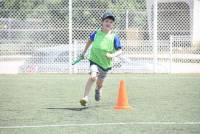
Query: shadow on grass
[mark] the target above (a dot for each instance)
(77, 108)
(71, 108)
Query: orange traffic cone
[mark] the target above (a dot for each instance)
(122, 102)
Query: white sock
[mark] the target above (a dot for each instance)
(86, 97)
(88, 87)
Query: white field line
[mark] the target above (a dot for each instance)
(102, 124)
(85, 75)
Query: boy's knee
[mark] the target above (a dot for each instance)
(99, 85)
(93, 78)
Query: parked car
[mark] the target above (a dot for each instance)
(51, 59)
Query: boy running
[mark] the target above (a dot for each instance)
(105, 46)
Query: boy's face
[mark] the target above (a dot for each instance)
(107, 24)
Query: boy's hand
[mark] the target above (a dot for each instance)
(82, 55)
(109, 55)
(112, 55)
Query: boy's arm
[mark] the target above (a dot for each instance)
(115, 54)
(89, 42)
(82, 55)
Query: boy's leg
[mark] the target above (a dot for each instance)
(99, 84)
(88, 86)
(89, 83)
(98, 90)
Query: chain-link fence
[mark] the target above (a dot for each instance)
(46, 35)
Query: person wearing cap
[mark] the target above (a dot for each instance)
(105, 46)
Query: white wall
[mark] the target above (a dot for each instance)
(196, 22)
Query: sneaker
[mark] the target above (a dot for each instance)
(97, 95)
(83, 101)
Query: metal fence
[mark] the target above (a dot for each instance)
(39, 36)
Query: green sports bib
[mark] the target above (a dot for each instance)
(103, 43)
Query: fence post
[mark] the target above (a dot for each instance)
(171, 60)
(155, 39)
(70, 36)
(75, 55)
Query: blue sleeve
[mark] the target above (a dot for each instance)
(117, 43)
(92, 36)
